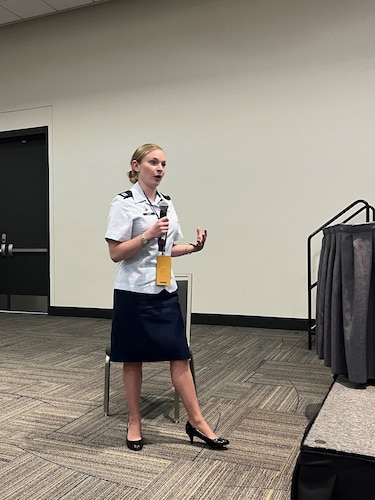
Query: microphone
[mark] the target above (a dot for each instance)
(163, 205)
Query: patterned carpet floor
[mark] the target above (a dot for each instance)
(259, 388)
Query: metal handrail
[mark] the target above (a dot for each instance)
(310, 285)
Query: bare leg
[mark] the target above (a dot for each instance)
(132, 378)
(182, 380)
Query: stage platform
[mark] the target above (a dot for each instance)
(337, 457)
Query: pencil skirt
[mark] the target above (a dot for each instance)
(147, 327)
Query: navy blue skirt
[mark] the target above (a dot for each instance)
(147, 327)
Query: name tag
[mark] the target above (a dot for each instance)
(163, 270)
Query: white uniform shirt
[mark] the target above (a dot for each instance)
(128, 218)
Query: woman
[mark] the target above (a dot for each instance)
(147, 324)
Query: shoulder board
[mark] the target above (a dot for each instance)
(126, 194)
(165, 196)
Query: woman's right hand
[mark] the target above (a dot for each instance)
(122, 250)
(160, 228)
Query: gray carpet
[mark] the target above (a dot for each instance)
(258, 388)
(346, 421)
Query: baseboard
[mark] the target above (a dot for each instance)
(196, 318)
(250, 321)
(80, 312)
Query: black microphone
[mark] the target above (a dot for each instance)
(163, 205)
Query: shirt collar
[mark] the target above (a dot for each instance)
(139, 195)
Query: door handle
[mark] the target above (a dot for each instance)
(12, 250)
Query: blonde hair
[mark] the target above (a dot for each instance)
(138, 156)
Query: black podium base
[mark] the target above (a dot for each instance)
(337, 457)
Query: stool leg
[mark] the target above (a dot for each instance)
(176, 407)
(107, 373)
(192, 369)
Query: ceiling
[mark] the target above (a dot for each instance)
(15, 11)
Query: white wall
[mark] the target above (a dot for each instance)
(266, 112)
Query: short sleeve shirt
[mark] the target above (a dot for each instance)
(130, 216)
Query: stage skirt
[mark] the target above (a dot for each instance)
(345, 313)
(147, 327)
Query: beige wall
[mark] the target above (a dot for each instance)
(266, 112)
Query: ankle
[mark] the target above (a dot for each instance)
(202, 426)
(134, 423)
(134, 430)
(196, 421)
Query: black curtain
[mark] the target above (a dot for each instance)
(345, 308)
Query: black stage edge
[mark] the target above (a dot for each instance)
(337, 454)
(196, 318)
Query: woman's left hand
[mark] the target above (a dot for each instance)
(201, 240)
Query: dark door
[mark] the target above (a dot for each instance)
(24, 227)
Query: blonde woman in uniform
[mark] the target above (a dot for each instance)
(147, 323)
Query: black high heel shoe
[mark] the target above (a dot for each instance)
(134, 445)
(217, 443)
